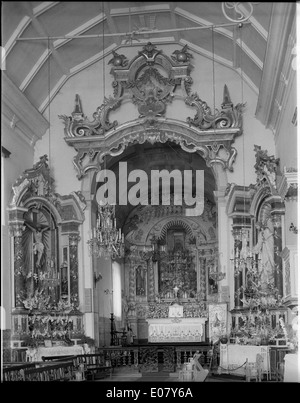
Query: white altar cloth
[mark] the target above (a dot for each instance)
(36, 354)
(175, 329)
(235, 355)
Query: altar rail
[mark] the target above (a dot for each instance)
(139, 358)
(37, 371)
(148, 358)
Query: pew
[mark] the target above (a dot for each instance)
(62, 371)
(13, 372)
(94, 366)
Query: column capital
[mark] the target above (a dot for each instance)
(276, 219)
(74, 239)
(16, 228)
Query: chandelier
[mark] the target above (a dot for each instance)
(107, 241)
(243, 256)
(214, 272)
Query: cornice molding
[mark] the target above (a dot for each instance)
(21, 114)
(288, 182)
(283, 15)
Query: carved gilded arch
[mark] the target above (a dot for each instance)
(214, 149)
(151, 81)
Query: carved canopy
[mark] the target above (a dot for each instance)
(151, 81)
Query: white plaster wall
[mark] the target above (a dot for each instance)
(287, 146)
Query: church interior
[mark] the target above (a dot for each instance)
(149, 191)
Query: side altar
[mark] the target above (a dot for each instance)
(176, 328)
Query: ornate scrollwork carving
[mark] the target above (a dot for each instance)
(151, 80)
(149, 52)
(229, 116)
(265, 168)
(78, 125)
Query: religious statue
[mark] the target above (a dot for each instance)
(265, 247)
(38, 246)
(140, 281)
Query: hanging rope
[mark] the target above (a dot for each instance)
(213, 70)
(233, 369)
(242, 93)
(49, 153)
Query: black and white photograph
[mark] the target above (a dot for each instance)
(149, 197)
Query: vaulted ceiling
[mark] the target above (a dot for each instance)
(48, 42)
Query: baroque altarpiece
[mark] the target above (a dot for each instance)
(170, 257)
(44, 226)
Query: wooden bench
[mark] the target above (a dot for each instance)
(57, 357)
(94, 366)
(13, 372)
(63, 371)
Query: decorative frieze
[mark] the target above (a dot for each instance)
(288, 184)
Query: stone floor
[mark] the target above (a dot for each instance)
(128, 375)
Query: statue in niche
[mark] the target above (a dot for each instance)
(265, 248)
(38, 245)
(140, 281)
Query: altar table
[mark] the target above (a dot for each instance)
(233, 356)
(36, 354)
(162, 330)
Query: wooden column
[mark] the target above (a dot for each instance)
(151, 289)
(238, 275)
(73, 250)
(19, 278)
(132, 281)
(278, 275)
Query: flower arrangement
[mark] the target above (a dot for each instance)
(40, 302)
(36, 301)
(259, 304)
